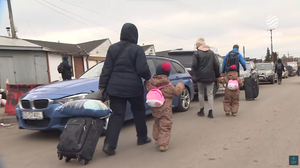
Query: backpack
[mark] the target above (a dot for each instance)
(154, 97)
(233, 84)
(60, 68)
(279, 67)
(232, 59)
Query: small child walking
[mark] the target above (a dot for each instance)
(232, 91)
(163, 118)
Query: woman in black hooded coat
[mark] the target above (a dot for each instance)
(279, 68)
(122, 80)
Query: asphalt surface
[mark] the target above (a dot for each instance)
(263, 135)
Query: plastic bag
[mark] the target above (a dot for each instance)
(84, 108)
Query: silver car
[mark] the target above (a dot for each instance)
(266, 72)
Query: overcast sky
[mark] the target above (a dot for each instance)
(168, 24)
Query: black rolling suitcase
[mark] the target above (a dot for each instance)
(251, 88)
(79, 139)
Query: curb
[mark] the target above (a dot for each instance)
(8, 119)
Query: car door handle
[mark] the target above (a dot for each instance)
(177, 77)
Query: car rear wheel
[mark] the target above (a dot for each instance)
(184, 101)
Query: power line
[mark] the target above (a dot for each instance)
(66, 15)
(227, 18)
(79, 16)
(117, 20)
(27, 21)
(90, 26)
(122, 20)
(87, 24)
(193, 9)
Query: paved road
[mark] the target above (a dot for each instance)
(263, 135)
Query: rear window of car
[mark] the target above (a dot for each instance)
(185, 58)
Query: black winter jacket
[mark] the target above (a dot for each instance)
(67, 68)
(205, 66)
(125, 79)
(279, 70)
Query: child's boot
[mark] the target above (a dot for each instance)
(234, 114)
(227, 113)
(163, 148)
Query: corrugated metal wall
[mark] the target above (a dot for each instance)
(23, 67)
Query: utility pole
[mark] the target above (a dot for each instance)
(271, 45)
(11, 18)
(244, 51)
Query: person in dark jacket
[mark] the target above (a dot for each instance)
(67, 73)
(240, 60)
(279, 68)
(206, 70)
(122, 80)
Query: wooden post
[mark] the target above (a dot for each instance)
(11, 18)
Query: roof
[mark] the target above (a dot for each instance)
(66, 48)
(8, 43)
(56, 46)
(91, 45)
(162, 53)
(146, 47)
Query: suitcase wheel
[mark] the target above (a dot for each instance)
(68, 159)
(78, 159)
(60, 157)
(85, 162)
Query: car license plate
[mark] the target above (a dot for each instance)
(33, 115)
(261, 77)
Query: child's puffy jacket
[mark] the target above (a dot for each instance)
(169, 92)
(231, 75)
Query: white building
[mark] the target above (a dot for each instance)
(81, 56)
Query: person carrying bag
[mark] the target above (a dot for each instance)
(124, 66)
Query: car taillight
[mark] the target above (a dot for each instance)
(191, 77)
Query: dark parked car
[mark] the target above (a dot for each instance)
(186, 58)
(290, 70)
(36, 108)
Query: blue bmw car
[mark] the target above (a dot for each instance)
(36, 108)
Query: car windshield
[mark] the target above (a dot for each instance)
(264, 66)
(247, 66)
(93, 72)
